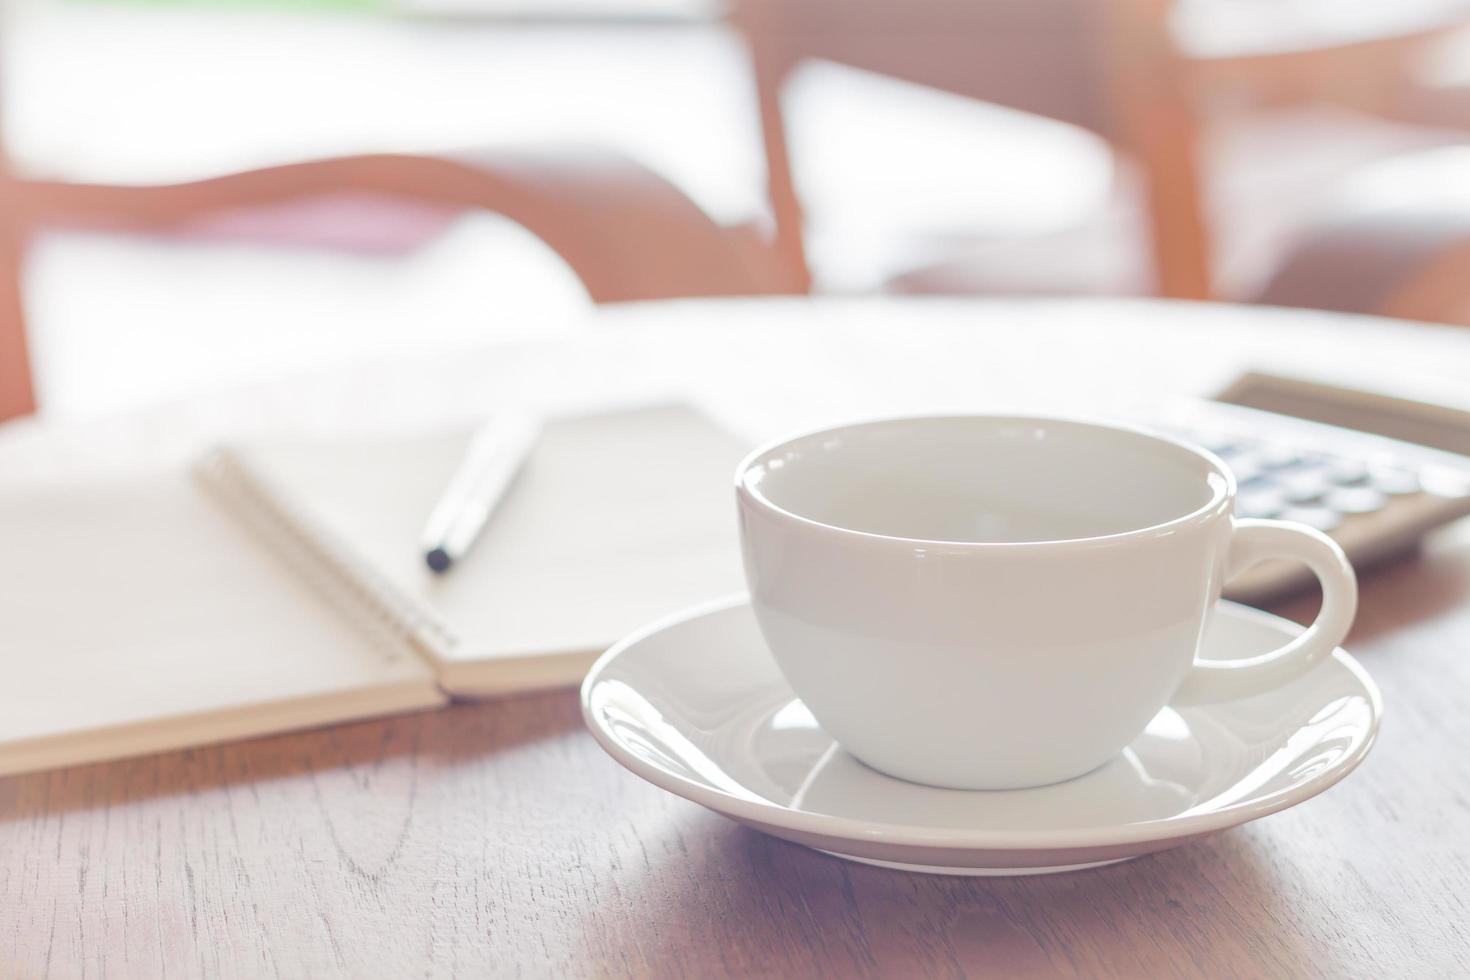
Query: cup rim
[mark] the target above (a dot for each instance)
(1220, 500)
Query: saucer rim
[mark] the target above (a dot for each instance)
(849, 828)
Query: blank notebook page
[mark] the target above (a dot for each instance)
(143, 603)
(615, 519)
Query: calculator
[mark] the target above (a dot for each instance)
(1376, 472)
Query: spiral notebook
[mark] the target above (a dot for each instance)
(281, 586)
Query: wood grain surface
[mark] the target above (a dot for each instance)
(496, 839)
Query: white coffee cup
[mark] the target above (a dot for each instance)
(987, 602)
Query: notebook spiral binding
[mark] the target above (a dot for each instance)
(327, 562)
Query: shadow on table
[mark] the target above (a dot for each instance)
(768, 907)
(1408, 590)
(377, 754)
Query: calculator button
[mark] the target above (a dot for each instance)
(1305, 486)
(1348, 472)
(1447, 483)
(1246, 467)
(1355, 500)
(1318, 517)
(1279, 456)
(1264, 502)
(1394, 479)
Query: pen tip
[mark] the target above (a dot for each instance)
(438, 559)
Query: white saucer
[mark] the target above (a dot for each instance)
(694, 704)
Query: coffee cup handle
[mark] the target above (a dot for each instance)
(1255, 541)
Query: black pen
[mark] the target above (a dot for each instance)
(494, 457)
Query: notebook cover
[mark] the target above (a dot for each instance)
(138, 616)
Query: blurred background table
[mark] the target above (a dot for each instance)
(498, 839)
(1183, 147)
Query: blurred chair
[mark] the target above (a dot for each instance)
(1140, 73)
(1394, 241)
(625, 232)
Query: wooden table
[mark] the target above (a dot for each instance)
(497, 838)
